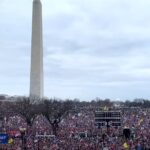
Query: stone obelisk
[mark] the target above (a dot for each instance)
(36, 74)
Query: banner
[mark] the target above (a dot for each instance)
(14, 133)
(3, 138)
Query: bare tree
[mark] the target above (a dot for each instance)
(54, 111)
(25, 107)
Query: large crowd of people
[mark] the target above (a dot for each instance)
(77, 131)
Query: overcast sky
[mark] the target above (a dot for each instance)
(92, 48)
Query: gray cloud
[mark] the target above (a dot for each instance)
(91, 48)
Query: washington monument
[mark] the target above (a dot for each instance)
(36, 74)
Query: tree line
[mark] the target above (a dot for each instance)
(55, 109)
